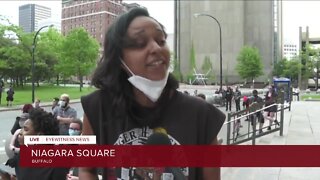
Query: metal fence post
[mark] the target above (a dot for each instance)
(290, 98)
(253, 128)
(282, 114)
(228, 128)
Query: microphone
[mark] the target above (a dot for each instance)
(158, 139)
(161, 138)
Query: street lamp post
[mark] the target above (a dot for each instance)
(32, 63)
(202, 14)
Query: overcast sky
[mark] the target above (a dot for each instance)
(295, 13)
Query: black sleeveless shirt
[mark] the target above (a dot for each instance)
(188, 121)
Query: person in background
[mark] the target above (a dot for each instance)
(269, 113)
(195, 93)
(245, 105)
(75, 129)
(136, 93)
(297, 92)
(256, 101)
(10, 94)
(14, 144)
(229, 97)
(65, 114)
(40, 122)
(202, 96)
(55, 103)
(36, 104)
(25, 110)
(55, 107)
(1, 89)
(237, 97)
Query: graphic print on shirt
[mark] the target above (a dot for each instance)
(139, 136)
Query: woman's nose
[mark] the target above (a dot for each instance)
(155, 47)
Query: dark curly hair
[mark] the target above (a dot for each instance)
(109, 75)
(43, 122)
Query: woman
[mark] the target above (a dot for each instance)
(137, 94)
(25, 110)
(40, 123)
(269, 113)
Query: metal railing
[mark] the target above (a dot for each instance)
(234, 118)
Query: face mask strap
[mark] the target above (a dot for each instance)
(126, 67)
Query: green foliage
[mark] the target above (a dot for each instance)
(176, 70)
(49, 48)
(287, 68)
(192, 65)
(279, 67)
(15, 53)
(249, 63)
(192, 58)
(207, 68)
(79, 54)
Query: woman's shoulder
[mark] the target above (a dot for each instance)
(95, 96)
(92, 99)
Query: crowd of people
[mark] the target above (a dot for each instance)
(34, 120)
(136, 94)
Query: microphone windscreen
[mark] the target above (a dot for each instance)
(158, 139)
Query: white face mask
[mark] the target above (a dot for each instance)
(21, 123)
(152, 89)
(62, 104)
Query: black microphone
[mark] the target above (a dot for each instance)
(160, 138)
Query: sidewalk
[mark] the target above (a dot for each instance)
(301, 127)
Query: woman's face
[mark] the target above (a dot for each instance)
(146, 52)
(26, 130)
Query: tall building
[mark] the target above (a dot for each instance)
(95, 16)
(31, 14)
(243, 23)
(290, 50)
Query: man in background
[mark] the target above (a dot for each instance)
(65, 114)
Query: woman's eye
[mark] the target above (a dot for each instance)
(162, 42)
(139, 44)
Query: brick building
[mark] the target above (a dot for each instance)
(95, 16)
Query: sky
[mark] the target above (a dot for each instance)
(10, 9)
(300, 13)
(295, 13)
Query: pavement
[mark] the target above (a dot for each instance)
(301, 127)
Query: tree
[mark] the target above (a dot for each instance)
(176, 70)
(49, 48)
(15, 56)
(249, 63)
(207, 68)
(79, 54)
(291, 69)
(287, 68)
(279, 67)
(192, 65)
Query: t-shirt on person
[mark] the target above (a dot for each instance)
(187, 120)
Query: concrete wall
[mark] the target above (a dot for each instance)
(242, 23)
